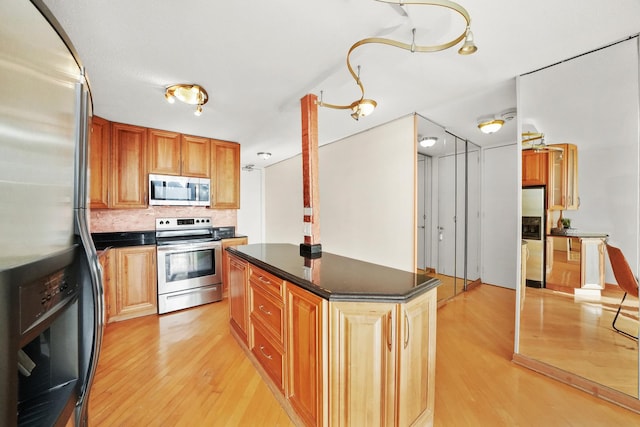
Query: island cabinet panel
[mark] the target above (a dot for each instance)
(416, 361)
(130, 282)
(196, 156)
(307, 324)
(238, 277)
(362, 363)
(128, 166)
(99, 160)
(225, 175)
(164, 152)
(225, 260)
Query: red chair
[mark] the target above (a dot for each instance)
(626, 280)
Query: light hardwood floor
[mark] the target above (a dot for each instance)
(184, 369)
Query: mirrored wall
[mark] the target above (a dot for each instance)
(448, 208)
(565, 327)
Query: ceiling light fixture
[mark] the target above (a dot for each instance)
(189, 94)
(264, 155)
(490, 124)
(467, 48)
(427, 141)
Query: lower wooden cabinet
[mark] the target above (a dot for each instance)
(338, 363)
(225, 260)
(306, 329)
(130, 281)
(362, 357)
(416, 363)
(238, 284)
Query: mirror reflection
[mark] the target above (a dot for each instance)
(579, 121)
(448, 208)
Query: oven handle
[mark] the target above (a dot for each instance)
(188, 247)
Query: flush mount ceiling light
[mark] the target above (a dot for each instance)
(427, 141)
(467, 48)
(189, 94)
(490, 125)
(264, 155)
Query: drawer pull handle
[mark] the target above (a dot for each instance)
(263, 280)
(406, 330)
(268, 356)
(264, 310)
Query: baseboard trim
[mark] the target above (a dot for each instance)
(593, 388)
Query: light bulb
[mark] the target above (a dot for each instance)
(198, 111)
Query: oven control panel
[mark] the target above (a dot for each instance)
(182, 223)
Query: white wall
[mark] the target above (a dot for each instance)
(367, 189)
(500, 216)
(250, 216)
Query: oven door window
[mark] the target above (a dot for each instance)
(189, 264)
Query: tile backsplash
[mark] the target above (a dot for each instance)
(104, 220)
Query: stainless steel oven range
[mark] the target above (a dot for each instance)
(189, 263)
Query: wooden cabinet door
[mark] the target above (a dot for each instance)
(362, 364)
(164, 152)
(225, 260)
(225, 175)
(555, 189)
(99, 153)
(534, 168)
(306, 324)
(136, 290)
(128, 166)
(572, 200)
(196, 156)
(238, 285)
(416, 360)
(106, 262)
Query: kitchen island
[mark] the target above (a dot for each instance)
(339, 341)
(585, 248)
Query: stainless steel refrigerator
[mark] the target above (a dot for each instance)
(51, 295)
(533, 233)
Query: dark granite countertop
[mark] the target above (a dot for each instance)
(340, 278)
(119, 239)
(574, 232)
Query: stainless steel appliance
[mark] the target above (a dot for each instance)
(189, 263)
(533, 233)
(51, 315)
(179, 190)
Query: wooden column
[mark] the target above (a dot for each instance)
(311, 247)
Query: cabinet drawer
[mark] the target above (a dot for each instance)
(267, 281)
(269, 357)
(267, 311)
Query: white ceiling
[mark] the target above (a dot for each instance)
(258, 58)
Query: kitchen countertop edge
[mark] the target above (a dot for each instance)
(429, 284)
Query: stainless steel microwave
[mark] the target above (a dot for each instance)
(170, 190)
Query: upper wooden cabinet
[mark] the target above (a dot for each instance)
(99, 154)
(225, 176)
(195, 156)
(122, 156)
(164, 152)
(535, 168)
(171, 153)
(562, 185)
(128, 166)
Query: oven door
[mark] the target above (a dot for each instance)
(189, 265)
